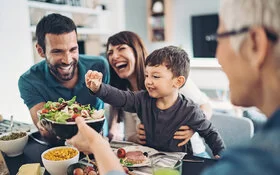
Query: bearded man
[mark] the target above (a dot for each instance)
(61, 73)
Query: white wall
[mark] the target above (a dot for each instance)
(16, 56)
(16, 47)
(206, 73)
(16, 50)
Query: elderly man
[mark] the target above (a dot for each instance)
(248, 50)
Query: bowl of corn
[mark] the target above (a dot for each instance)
(56, 160)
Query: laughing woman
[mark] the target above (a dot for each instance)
(126, 54)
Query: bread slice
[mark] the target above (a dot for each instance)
(30, 169)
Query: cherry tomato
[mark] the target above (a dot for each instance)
(78, 171)
(75, 115)
(121, 153)
(45, 111)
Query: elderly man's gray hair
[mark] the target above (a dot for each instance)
(237, 14)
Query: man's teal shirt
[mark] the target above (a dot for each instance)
(38, 85)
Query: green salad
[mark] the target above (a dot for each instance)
(64, 111)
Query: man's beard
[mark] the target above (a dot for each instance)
(66, 76)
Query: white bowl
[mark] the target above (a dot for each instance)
(59, 167)
(14, 147)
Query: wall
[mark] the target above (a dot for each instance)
(16, 56)
(16, 46)
(16, 50)
(206, 73)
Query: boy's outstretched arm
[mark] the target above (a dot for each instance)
(93, 80)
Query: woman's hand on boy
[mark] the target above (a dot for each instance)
(184, 133)
(217, 156)
(93, 80)
(141, 135)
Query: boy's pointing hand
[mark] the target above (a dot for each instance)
(93, 80)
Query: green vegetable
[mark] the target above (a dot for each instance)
(128, 163)
(91, 111)
(60, 100)
(49, 115)
(76, 106)
(88, 107)
(125, 162)
(62, 117)
(72, 101)
(48, 105)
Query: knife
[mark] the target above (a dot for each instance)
(192, 160)
(120, 144)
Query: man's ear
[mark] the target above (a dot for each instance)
(258, 47)
(40, 50)
(180, 81)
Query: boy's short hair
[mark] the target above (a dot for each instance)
(173, 57)
(54, 24)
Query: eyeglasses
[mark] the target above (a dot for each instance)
(213, 37)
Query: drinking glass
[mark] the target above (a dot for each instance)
(166, 166)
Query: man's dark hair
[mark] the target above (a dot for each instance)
(55, 24)
(173, 58)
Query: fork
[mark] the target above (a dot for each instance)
(157, 154)
(12, 123)
(162, 154)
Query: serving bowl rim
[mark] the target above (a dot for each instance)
(74, 123)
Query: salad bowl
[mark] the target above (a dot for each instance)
(69, 129)
(58, 118)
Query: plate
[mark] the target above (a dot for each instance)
(149, 150)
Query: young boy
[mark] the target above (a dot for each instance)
(161, 108)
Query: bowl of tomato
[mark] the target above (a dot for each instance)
(81, 169)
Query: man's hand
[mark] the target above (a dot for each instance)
(93, 80)
(51, 138)
(184, 133)
(42, 130)
(141, 135)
